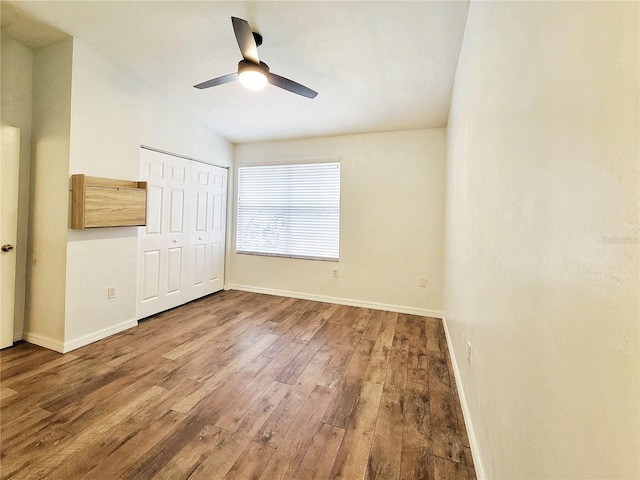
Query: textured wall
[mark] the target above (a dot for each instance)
(542, 233)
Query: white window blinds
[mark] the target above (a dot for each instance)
(289, 210)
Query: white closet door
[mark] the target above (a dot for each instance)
(151, 254)
(209, 184)
(175, 252)
(176, 241)
(200, 196)
(163, 242)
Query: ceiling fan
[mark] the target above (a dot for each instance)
(252, 73)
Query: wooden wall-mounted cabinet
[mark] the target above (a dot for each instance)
(106, 202)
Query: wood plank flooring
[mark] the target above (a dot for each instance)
(239, 386)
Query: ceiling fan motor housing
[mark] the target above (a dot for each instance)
(252, 75)
(246, 65)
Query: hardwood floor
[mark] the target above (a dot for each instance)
(240, 386)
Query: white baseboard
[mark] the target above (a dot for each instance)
(43, 341)
(17, 336)
(340, 301)
(99, 335)
(65, 347)
(475, 452)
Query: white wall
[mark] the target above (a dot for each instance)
(46, 257)
(112, 114)
(392, 216)
(17, 74)
(542, 233)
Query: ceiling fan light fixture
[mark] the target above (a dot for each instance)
(253, 80)
(252, 73)
(252, 76)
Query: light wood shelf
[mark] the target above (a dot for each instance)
(107, 202)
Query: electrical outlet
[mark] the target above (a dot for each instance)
(423, 282)
(111, 292)
(469, 353)
(335, 273)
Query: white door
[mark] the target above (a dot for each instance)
(181, 249)
(201, 198)
(163, 241)
(9, 166)
(176, 238)
(217, 230)
(209, 188)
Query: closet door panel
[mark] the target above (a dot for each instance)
(200, 195)
(202, 206)
(215, 265)
(151, 283)
(217, 213)
(216, 230)
(161, 243)
(209, 184)
(176, 210)
(178, 225)
(150, 275)
(199, 254)
(175, 268)
(155, 194)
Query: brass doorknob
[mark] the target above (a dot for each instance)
(6, 247)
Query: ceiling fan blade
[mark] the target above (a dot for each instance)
(217, 81)
(291, 86)
(246, 40)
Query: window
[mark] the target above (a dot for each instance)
(289, 210)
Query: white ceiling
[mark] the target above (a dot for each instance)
(378, 66)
